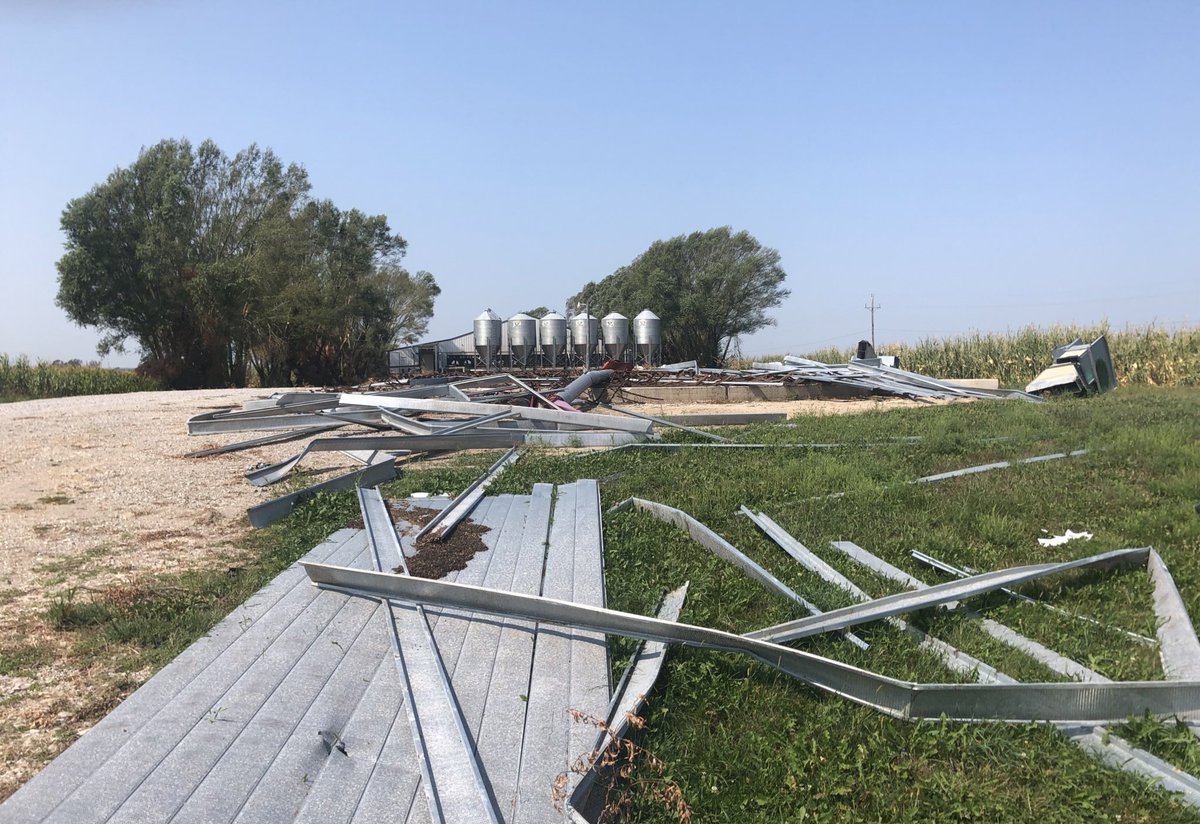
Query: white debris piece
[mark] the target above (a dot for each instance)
(1059, 540)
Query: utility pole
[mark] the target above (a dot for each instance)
(872, 306)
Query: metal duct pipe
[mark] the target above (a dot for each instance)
(596, 377)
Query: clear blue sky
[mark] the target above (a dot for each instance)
(976, 165)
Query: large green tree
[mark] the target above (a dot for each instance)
(708, 288)
(216, 265)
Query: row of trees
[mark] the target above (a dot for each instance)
(708, 287)
(219, 265)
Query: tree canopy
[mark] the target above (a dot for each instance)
(217, 265)
(708, 288)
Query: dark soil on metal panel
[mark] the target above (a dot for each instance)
(436, 558)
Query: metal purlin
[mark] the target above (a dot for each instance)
(454, 779)
(1054, 702)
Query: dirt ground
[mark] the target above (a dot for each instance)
(95, 492)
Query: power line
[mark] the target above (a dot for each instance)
(872, 306)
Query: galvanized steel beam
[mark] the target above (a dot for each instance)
(1070, 703)
(628, 699)
(271, 511)
(444, 522)
(207, 425)
(954, 658)
(1039, 652)
(942, 593)
(1017, 596)
(454, 779)
(265, 440)
(974, 470)
(666, 422)
(728, 552)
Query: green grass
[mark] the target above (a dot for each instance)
(747, 744)
(1148, 355)
(20, 658)
(21, 380)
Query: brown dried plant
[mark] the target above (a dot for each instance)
(624, 770)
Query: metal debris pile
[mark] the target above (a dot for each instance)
(497, 411)
(877, 375)
(488, 412)
(867, 375)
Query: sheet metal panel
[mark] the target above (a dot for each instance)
(110, 784)
(545, 749)
(499, 713)
(37, 798)
(246, 726)
(453, 778)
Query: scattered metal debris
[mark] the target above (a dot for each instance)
(1098, 740)
(975, 470)
(874, 375)
(392, 444)
(954, 658)
(495, 406)
(1079, 368)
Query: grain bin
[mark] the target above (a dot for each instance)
(647, 337)
(615, 330)
(553, 329)
(585, 331)
(487, 337)
(522, 337)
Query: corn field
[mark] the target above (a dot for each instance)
(22, 380)
(1148, 355)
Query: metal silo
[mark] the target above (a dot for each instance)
(522, 337)
(553, 329)
(647, 337)
(487, 337)
(615, 329)
(585, 331)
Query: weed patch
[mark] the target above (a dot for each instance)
(146, 624)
